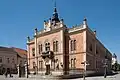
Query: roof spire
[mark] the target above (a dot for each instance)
(55, 9)
(55, 14)
(55, 4)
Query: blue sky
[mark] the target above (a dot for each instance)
(18, 18)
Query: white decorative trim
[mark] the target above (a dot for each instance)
(84, 45)
(62, 42)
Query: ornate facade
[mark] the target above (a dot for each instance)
(71, 47)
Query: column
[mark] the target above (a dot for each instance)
(26, 70)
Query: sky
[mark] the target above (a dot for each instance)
(19, 18)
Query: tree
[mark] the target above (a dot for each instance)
(116, 66)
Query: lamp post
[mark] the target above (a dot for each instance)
(85, 63)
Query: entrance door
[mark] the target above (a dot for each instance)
(40, 65)
(47, 69)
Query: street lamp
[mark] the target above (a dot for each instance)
(84, 71)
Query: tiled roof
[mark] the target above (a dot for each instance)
(5, 49)
(21, 52)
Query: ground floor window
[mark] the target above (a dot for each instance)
(40, 65)
(73, 63)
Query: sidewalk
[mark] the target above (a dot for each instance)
(72, 76)
(49, 77)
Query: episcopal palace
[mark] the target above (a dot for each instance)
(71, 47)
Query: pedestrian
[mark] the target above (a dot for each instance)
(10, 73)
(6, 73)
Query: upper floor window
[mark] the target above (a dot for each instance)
(73, 45)
(33, 51)
(96, 51)
(0, 59)
(8, 60)
(20, 62)
(13, 61)
(40, 48)
(55, 46)
(90, 47)
(47, 46)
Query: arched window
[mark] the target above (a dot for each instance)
(90, 47)
(71, 63)
(47, 46)
(40, 48)
(55, 46)
(73, 45)
(34, 65)
(74, 62)
(33, 51)
(40, 65)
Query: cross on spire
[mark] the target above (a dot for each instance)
(55, 3)
(55, 9)
(55, 14)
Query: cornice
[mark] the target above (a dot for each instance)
(50, 32)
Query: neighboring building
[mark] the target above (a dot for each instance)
(21, 55)
(11, 57)
(71, 47)
(114, 59)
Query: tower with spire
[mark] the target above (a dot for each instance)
(68, 45)
(54, 21)
(55, 17)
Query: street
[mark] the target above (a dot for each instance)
(15, 77)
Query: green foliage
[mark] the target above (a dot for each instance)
(116, 67)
